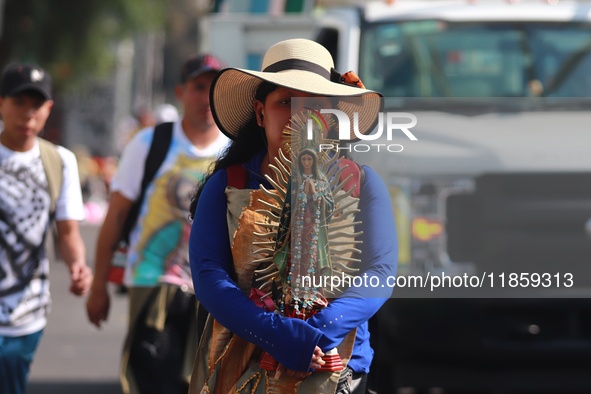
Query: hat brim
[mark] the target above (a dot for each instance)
(233, 92)
(199, 72)
(31, 88)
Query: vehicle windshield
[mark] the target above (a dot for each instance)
(432, 58)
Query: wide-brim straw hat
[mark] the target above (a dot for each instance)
(298, 64)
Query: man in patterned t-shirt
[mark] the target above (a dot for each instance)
(25, 202)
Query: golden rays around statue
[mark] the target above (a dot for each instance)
(310, 222)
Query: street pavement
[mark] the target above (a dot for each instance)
(74, 356)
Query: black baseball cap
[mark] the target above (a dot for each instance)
(200, 64)
(20, 77)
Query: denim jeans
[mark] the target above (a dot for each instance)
(16, 355)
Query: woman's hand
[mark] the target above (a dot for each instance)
(316, 362)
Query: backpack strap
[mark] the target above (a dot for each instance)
(237, 176)
(162, 137)
(352, 168)
(158, 150)
(54, 171)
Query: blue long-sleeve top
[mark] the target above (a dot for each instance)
(292, 341)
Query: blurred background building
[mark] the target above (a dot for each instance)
(112, 60)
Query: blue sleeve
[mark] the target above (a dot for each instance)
(289, 341)
(379, 260)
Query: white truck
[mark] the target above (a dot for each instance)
(498, 186)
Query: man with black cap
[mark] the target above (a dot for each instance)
(38, 183)
(157, 273)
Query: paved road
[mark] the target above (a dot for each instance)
(75, 357)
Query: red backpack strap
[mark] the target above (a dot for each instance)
(351, 168)
(237, 176)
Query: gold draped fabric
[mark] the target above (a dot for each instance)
(226, 363)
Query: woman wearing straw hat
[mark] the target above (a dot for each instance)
(268, 331)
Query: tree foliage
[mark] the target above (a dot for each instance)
(73, 38)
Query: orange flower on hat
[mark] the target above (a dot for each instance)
(350, 78)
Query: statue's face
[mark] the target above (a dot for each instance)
(307, 162)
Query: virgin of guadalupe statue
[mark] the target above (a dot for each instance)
(302, 253)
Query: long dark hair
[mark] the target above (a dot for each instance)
(250, 140)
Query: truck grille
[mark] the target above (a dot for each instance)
(523, 223)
